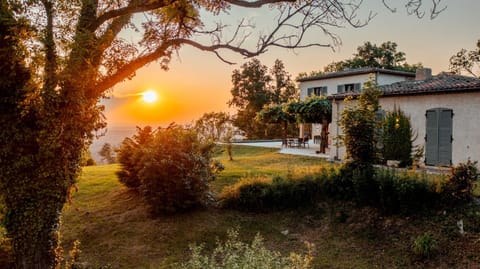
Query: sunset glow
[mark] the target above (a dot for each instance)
(149, 96)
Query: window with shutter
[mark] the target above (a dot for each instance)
(340, 88)
(317, 91)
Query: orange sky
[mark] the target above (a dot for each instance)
(198, 82)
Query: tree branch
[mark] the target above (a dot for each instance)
(256, 4)
(130, 68)
(135, 6)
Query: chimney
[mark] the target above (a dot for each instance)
(423, 73)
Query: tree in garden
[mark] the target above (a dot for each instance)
(253, 88)
(107, 153)
(468, 61)
(58, 58)
(370, 55)
(397, 137)
(213, 126)
(358, 124)
(316, 109)
(216, 127)
(277, 114)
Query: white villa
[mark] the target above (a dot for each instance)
(444, 110)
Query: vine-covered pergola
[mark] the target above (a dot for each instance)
(312, 110)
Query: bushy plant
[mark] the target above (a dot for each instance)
(460, 182)
(424, 246)
(397, 137)
(260, 194)
(130, 155)
(235, 254)
(176, 169)
(404, 192)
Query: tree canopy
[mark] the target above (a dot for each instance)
(255, 87)
(466, 61)
(370, 55)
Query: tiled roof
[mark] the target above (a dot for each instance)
(441, 83)
(359, 71)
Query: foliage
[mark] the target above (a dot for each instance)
(171, 167)
(397, 137)
(253, 88)
(213, 126)
(406, 193)
(235, 254)
(387, 190)
(107, 153)
(176, 171)
(263, 194)
(359, 123)
(130, 154)
(316, 109)
(460, 182)
(371, 55)
(424, 246)
(277, 113)
(216, 127)
(468, 61)
(87, 159)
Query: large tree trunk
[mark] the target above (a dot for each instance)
(34, 232)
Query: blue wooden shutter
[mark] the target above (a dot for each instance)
(439, 137)
(445, 137)
(340, 88)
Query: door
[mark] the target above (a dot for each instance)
(438, 139)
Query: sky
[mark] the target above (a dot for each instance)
(198, 82)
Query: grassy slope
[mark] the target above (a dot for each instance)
(114, 227)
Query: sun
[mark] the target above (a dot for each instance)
(149, 96)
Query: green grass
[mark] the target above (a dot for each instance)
(256, 162)
(114, 227)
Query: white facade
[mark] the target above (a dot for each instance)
(465, 121)
(358, 76)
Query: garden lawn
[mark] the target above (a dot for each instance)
(115, 229)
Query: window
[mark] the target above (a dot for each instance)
(317, 91)
(351, 87)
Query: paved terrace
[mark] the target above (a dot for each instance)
(308, 151)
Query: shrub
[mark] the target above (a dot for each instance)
(236, 254)
(424, 246)
(260, 194)
(460, 182)
(176, 169)
(130, 155)
(404, 193)
(397, 138)
(359, 126)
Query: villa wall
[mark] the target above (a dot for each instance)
(466, 120)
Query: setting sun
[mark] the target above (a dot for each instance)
(149, 96)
